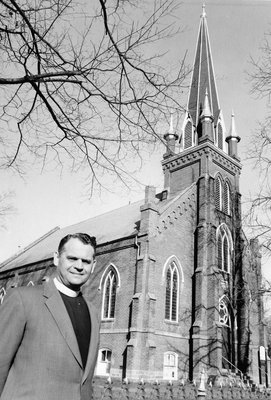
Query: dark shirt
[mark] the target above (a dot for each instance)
(80, 318)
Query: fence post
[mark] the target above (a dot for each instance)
(201, 390)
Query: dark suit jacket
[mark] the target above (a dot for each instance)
(39, 353)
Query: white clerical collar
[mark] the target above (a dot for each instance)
(64, 289)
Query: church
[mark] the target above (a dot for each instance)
(177, 282)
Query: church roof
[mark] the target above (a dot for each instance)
(107, 227)
(203, 77)
(114, 225)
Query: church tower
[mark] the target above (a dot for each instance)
(209, 159)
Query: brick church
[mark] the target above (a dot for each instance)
(177, 282)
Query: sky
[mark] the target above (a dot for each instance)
(236, 30)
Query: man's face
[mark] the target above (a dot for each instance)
(75, 263)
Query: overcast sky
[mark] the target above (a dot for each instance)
(236, 30)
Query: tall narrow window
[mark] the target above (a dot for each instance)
(218, 194)
(109, 295)
(219, 252)
(172, 292)
(224, 247)
(226, 255)
(225, 319)
(188, 132)
(227, 199)
(220, 136)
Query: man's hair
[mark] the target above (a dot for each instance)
(83, 237)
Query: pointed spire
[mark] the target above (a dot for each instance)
(203, 77)
(170, 137)
(232, 131)
(206, 112)
(206, 120)
(233, 139)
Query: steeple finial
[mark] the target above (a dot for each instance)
(232, 128)
(203, 11)
(171, 130)
(170, 137)
(233, 139)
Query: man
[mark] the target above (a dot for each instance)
(49, 334)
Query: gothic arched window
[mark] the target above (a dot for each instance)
(224, 248)
(227, 199)
(172, 292)
(109, 295)
(218, 193)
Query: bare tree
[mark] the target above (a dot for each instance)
(82, 83)
(259, 215)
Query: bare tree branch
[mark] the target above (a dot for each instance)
(85, 82)
(259, 215)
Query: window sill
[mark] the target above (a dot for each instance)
(107, 320)
(167, 321)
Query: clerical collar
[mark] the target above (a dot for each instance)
(64, 289)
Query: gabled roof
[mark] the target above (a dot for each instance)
(113, 225)
(203, 77)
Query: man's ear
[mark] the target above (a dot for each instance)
(56, 258)
(93, 266)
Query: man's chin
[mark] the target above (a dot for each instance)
(77, 283)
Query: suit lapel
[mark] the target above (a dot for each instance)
(58, 310)
(94, 340)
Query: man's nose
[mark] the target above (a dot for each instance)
(79, 264)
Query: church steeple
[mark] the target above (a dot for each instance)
(203, 150)
(202, 82)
